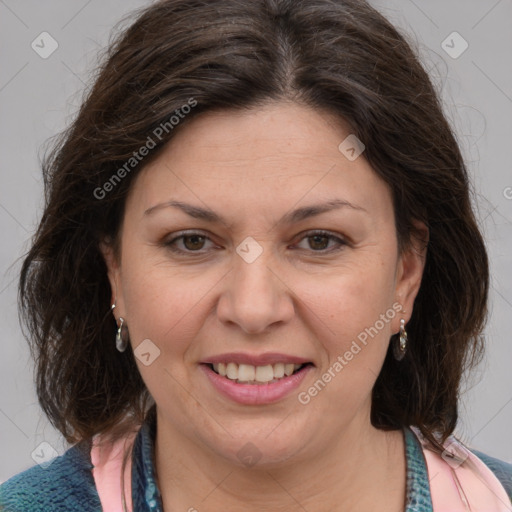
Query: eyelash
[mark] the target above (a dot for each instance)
(340, 241)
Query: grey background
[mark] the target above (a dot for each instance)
(38, 98)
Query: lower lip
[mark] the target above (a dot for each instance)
(256, 394)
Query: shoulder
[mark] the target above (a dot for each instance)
(502, 470)
(65, 483)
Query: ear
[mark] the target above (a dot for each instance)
(411, 264)
(112, 262)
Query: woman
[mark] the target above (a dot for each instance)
(258, 278)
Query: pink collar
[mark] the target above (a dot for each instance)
(460, 481)
(107, 461)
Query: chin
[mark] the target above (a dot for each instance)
(262, 452)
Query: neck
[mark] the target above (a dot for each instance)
(361, 468)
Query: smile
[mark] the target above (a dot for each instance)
(255, 385)
(249, 374)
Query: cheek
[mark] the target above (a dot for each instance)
(160, 303)
(164, 307)
(351, 299)
(353, 315)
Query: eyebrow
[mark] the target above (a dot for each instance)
(294, 216)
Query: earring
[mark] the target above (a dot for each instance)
(121, 335)
(400, 345)
(121, 338)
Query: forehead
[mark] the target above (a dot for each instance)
(270, 157)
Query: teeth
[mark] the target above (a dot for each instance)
(279, 370)
(248, 373)
(232, 371)
(263, 373)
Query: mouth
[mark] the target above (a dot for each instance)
(256, 375)
(256, 379)
(259, 384)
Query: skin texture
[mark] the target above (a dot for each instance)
(302, 296)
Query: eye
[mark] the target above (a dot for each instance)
(318, 241)
(192, 242)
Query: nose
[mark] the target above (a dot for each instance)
(255, 296)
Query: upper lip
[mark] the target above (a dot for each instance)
(255, 359)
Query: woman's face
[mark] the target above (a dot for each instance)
(289, 256)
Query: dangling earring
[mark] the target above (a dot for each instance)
(121, 339)
(121, 335)
(400, 345)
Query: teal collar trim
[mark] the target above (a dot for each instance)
(418, 487)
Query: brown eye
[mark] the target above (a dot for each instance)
(188, 243)
(193, 242)
(318, 241)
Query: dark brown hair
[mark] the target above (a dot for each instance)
(336, 56)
